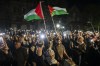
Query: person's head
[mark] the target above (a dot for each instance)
(32, 48)
(17, 45)
(87, 35)
(50, 44)
(80, 39)
(59, 42)
(40, 43)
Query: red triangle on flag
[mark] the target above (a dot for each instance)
(50, 9)
(38, 11)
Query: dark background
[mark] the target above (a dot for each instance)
(80, 12)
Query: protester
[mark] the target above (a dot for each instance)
(41, 48)
(19, 55)
(50, 55)
(39, 59)
(61, 53)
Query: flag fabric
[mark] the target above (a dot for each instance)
(31, 15)
(34, 14)
(57, 11)
(50, 9)
(39, 11)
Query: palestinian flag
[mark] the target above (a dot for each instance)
(57, 11)
(31, 15)
(34, 14)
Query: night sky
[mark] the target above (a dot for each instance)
(81, 4)
(69, 3)
(12, 11)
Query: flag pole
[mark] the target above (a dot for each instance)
(54, 24)
(43, 15)
(52, 20)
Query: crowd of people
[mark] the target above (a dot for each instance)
(49, 48)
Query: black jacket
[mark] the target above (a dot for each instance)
(20, 56)
(5, 59)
